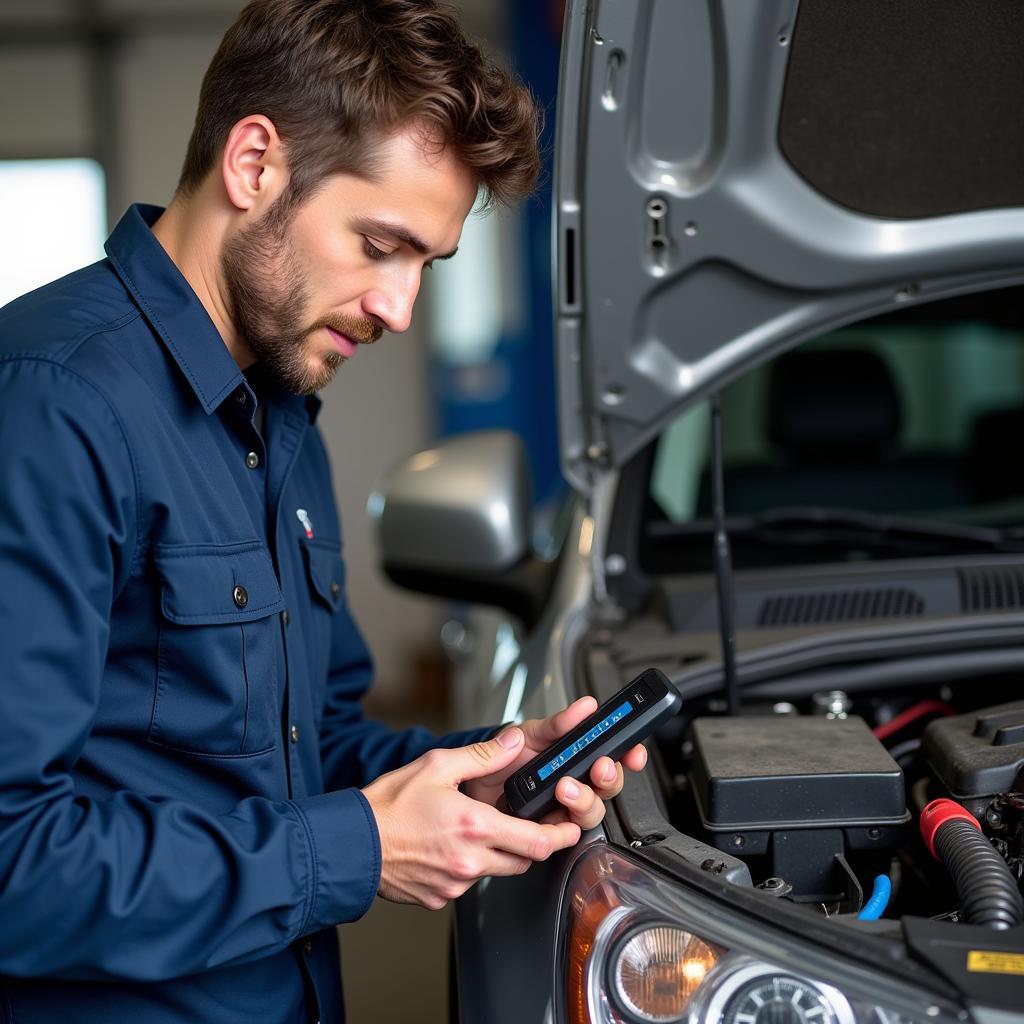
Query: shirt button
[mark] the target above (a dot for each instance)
(252, 460)
(240, 596)
(335, 589)
(240, 396)
(295, 734)
(285, 617)
(307, 947)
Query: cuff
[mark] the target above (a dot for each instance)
(345, 855)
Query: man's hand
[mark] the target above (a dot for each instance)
(581, 804)
(436, 842)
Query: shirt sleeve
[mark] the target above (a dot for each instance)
(130, 886)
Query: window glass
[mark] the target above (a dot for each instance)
(52, 221)
(888, 416)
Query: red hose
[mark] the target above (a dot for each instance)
(911, 714)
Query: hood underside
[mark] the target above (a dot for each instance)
(735, 178)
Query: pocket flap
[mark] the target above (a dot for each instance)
(326, 570)
(208, 584)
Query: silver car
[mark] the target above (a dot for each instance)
(790, 334)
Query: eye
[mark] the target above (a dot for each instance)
(372, 251)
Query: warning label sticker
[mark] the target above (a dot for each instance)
(995, 963)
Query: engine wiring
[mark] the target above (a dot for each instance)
(911, 715)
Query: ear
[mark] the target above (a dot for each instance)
(252, 164)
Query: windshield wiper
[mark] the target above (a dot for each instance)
(808, 526)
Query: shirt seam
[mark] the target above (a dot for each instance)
(218, 616)
(111, 325)
(132, 461)
(371, 824)
(314, 887)
(234, 547)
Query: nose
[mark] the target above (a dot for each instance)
(392, 302)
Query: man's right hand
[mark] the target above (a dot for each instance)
(436, 842)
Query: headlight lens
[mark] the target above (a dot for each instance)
(642, 949)
(657, 971)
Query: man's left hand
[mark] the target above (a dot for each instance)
(581, 803)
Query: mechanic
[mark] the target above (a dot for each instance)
(190, 797)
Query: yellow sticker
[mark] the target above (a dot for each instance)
(995, 963)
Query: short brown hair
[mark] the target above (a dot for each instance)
(337, 76)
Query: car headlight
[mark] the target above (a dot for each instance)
(657, 971)
(641, 949)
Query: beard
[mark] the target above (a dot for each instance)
(267, 293)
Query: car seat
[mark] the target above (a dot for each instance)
(833, 419)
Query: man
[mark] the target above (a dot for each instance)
(190, 798)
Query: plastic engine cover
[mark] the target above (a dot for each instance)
(978, 755)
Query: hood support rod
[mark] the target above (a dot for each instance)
(723, 563)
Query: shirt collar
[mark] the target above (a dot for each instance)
(174, 311)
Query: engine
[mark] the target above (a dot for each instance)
(978, 760)
(820, 806)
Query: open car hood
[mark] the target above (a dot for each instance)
(736, 176)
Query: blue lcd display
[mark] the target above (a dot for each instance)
(584, 741)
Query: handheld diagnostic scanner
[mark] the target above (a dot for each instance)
(618, 724)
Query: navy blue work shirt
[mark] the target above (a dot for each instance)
(181, 739)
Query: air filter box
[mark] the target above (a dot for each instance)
(802, 790)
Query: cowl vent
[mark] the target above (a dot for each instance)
(991, 588)
(840, 606)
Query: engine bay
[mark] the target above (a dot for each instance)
(821, 797)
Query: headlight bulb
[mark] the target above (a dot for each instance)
(657, 971)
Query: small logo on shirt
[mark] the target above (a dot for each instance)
(307, 524)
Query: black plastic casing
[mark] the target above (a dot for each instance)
(978, 755)
(653, 698)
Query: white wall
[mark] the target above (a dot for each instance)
(379, 408)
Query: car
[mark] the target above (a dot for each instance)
(790, 346)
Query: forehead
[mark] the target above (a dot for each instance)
(420, 186)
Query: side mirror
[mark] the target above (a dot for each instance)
(455, 522)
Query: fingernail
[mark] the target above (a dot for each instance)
(571, 790)
(510, 738)
(609, 773)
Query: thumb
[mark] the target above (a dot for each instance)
(488, 756)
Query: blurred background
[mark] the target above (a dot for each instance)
(98, 102)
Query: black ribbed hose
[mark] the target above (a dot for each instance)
(988, 892)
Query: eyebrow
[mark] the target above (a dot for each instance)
(373, 226)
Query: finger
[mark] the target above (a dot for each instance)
(541, 732)
(635, 759)
(479, 759)
(500, 863)
(581, 802)
(532, 839)
(606, 778)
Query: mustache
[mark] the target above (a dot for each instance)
(361, 329)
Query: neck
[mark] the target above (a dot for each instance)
(192, 232)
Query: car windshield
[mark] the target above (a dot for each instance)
(895, 437)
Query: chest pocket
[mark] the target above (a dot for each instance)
(326, 574)
(217, 686)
